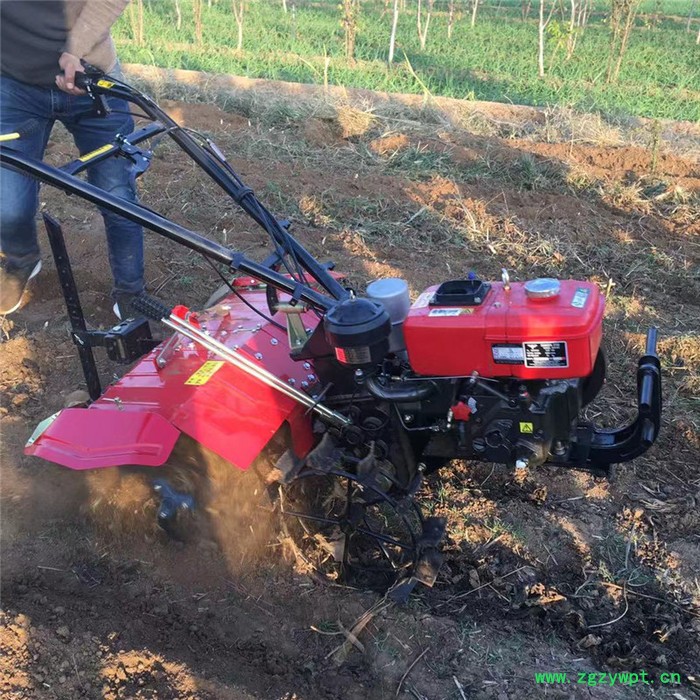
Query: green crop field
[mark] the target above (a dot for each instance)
(495, 60)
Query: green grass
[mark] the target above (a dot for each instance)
(496, 60)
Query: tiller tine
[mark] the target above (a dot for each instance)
(172, 503)
(429, 561)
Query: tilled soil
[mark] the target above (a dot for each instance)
(549, 571)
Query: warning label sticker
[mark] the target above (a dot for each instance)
(354, 356)
(205, 373)
(508, 354)
(580, 297)
(546, 354)
(451, 312)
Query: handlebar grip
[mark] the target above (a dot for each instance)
(82, 80)
(150, 307)
(25, 129)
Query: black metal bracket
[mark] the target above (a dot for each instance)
(140, 159)
(121, 146)
(75, 310)
(125, 342)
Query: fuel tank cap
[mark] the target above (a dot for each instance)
(542, 288)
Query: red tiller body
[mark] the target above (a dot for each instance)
(182, 387)
(508, 334)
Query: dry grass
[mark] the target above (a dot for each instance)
(294, 102)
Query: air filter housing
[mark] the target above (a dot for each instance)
(358, 331)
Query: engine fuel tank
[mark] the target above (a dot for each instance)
(543, 329)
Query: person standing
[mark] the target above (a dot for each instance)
(42, 43)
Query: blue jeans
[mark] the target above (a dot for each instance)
(19, 195)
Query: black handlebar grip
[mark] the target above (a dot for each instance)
(31, 126)
(150, 307)
(82, 80)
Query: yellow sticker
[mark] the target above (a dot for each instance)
(460, 311)
(97, 152)
(105, 83)
(526, 427)
(9, 137)
(205, 373)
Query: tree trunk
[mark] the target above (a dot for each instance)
(141, 37)
(623, 44)
(562, 11)
(351, 10)
(136, 20)
(178, 12)
(690, 15)
(423, 28)
(571, 37)
(622, 16)
(450, 18)
(238, 8)
(475, 7)
(197, 10)
(392, 38)
(586, 13)
(284, 6)
(540, 52)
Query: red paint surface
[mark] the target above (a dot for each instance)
(460, 345)
(83, 439)
(232, 414)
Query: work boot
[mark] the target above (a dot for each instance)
(13, 284)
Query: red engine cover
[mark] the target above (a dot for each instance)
(509, 334)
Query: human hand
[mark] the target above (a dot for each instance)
(70, 65)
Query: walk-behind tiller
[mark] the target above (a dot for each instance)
(362, 394)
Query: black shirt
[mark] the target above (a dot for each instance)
(33, 35)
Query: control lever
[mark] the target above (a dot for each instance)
(85, 81)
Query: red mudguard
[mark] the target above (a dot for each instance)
(83, 439)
